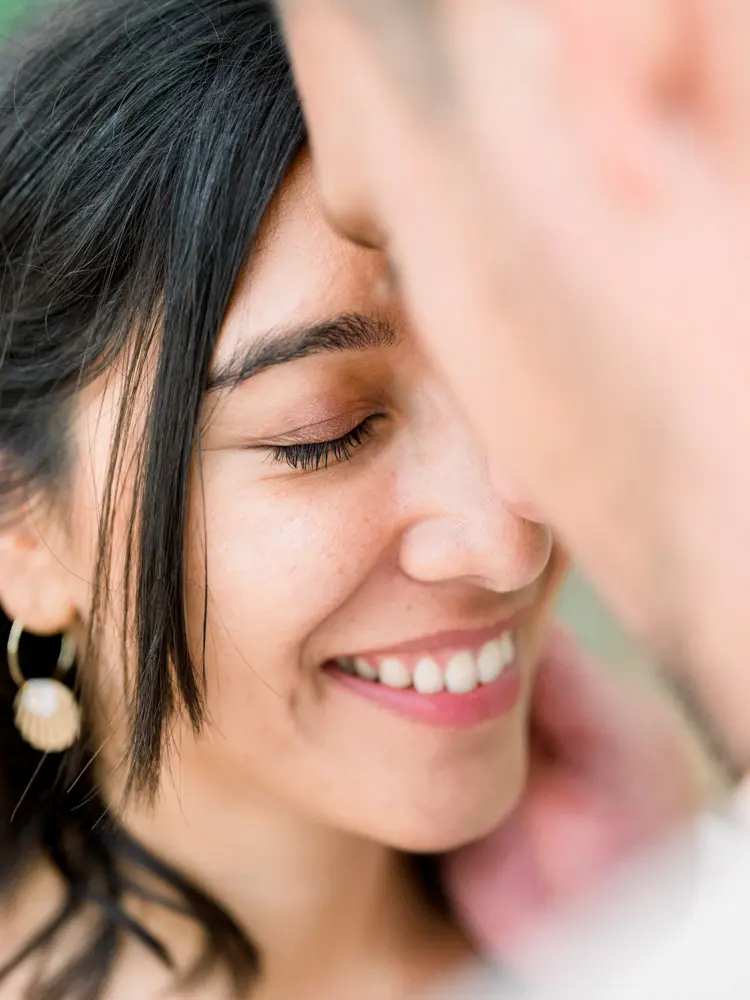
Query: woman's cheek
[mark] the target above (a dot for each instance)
(283, 557)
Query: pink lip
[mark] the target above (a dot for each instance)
(485, 702)
(456, 639)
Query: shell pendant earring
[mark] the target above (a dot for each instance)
(46, 712)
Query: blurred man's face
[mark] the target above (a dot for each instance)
(601, 436)
(395, 174)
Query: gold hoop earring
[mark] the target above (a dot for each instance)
(46, 712)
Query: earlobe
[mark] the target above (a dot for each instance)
(35, 585)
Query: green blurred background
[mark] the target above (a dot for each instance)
(8, 8)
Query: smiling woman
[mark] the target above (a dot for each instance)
(305, 628)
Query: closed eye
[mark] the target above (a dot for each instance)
(314, 455)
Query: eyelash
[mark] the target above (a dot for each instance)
(318, 454)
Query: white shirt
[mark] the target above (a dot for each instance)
(674, 925)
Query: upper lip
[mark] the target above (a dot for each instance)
(452, 639)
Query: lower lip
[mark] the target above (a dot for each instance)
(485, 702)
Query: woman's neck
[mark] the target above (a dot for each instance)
(310, 897)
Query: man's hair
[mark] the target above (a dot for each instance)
(408, 38)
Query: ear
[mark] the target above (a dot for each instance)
(721, 29)
(35, 585)
(626, 61)
(643, 43)
(632, 61)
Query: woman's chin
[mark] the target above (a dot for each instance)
(439, 827)
(452, 835)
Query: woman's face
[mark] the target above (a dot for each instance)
(384, 551)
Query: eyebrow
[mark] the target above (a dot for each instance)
(347, 332)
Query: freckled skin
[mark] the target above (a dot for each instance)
(406, 539)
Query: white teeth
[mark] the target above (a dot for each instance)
(365, 670)
(461, 677)
(491, 661)
(509, 647)
(393, 673)
(428, 678)
(465, 670)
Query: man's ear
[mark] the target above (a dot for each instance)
(643, 43)
(626, 63)
(722, 40)
(635, 63)
(35, 585)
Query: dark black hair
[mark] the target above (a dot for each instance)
(141, 142)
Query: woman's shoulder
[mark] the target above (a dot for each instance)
(31, 906)
(27, 906)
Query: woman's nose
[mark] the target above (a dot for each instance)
(508, 556)
(463, 530)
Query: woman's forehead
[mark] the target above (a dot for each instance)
(300, 270)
